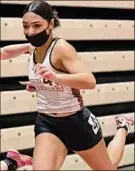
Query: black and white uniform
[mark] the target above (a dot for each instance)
(78, 131)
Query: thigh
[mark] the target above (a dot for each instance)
(97, 157)
(49, 152)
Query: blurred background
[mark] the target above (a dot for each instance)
(102, 32)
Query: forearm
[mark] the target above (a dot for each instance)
(13, 51)
(77, 81)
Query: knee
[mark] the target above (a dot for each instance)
(43, 167)
(115, 164)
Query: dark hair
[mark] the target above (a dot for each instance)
(42, 8)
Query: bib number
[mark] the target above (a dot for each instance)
(94, 123)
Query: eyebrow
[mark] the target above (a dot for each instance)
(31, 22)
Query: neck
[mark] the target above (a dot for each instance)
(46, 45)
(41, 51)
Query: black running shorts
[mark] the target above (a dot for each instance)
(80, 131)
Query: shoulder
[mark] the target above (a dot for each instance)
(64, 49)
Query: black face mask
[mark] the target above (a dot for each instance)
(39, 39)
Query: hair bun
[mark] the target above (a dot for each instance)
(56, 19)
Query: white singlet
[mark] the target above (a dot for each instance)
(53, 97)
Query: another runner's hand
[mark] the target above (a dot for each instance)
(30, 88)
